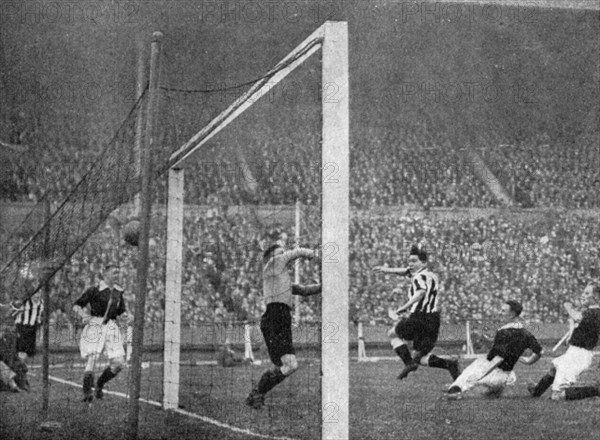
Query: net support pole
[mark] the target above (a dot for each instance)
(173, 289)
(142, 264)
(139, 90)
(335, 227)
(297, 262)
(46, 323)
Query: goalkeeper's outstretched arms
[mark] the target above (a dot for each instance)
(402, 271)
(306, 290)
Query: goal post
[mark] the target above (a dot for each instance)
(332, 39)
(335, 217)
(173, 280)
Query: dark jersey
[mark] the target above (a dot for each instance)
(510, 343)
(99, 297)
(585, 335)
(425, 280)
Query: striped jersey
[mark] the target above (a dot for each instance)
(426, 280)
(277, 284)
(30, 312)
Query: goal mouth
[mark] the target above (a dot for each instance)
(266, 170)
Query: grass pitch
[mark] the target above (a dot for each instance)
(381, 407)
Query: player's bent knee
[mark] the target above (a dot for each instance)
(116, 365)
(392, 333)
(290, 364)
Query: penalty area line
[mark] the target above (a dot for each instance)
(182, 412)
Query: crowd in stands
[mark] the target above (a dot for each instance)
(403, 165)
(542, 261)
(480, 261)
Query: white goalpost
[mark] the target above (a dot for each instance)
(332, 39)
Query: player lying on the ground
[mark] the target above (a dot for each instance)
(423, 324)
(567, 368)
(13, 371)
(495, 371)
(101, 330)
(276, 322)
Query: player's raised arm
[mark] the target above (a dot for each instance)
(299, 252)
(575, 314)
(402, 271)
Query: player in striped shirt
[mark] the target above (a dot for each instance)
(567, 368)
(423, 324)
(276, 322)
(28, 317)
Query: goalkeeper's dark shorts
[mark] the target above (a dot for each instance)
(276, 327)
(421, 328)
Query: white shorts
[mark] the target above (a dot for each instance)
(97, 337)
(6, 374)
(570, 365)
(497, 378)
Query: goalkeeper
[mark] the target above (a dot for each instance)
(101, 330)
(276, 322)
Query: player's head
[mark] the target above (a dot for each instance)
(591, 295)
(417, 258)
(512, 309)
(111, 273)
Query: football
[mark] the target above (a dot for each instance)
(131, 232)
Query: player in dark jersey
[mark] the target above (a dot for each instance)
(495, 370)
(423, 324)
(578, 357)
(101, 331)
(276, 322)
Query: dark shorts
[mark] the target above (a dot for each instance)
(421, 328)
(276, 327)
(26, 339)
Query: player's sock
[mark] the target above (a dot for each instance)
(578, 393)
(544, 383)
(404, 354)
(438, 362)
(107, 375)
(88, 383)
(447, 364)
(269, 380)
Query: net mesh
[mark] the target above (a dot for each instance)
(110, 181)
(240, 195)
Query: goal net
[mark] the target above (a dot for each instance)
(265, 167)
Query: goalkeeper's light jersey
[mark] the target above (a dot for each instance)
(426, 280)
(277, 284)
